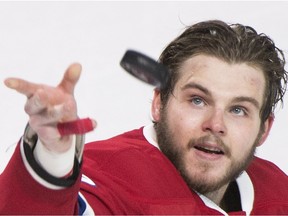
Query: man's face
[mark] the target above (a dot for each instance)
(210, 126)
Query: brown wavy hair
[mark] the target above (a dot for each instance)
(233, 43)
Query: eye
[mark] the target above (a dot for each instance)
(239, 111)
(198, 101)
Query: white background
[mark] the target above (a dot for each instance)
(38, 40)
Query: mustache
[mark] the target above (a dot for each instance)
(201, 141)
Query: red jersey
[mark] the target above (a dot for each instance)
(128, 175)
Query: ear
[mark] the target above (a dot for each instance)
(156, 106)
(267, 127)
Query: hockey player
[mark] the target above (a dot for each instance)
(196, 158)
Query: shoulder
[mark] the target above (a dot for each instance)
(130, 158)
(270, 185)
(129, 146)
(131, 139)
(261, 168)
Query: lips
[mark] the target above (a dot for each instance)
(211, 146)
(209, 149)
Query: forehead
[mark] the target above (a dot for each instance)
(221, 77)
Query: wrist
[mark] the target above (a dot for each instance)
(30, 139)
(55, 163)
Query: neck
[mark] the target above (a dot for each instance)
(217, 195)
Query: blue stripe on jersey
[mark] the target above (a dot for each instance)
(82, 205)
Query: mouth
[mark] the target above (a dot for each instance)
(209, 150)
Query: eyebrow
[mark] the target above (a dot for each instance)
(251, 100)
(196, 86)
(247, 99)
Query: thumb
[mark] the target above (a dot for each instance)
(70, 78)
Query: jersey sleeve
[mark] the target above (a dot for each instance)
(23, 194)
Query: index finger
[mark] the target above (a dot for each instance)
(22, 86)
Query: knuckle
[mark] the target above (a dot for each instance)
(34, 122)
(29, 108)
(54, 112)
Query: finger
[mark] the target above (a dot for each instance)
(36, 103)
(50, 116)
(41, 114)
(22, 86)
(79, 126)
(71, 77)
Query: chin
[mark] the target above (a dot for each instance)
(209, 179)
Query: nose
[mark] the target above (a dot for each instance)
(215, 123)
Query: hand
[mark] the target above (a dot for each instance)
(48, 106)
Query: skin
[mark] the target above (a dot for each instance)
(47, 105)
(220, 102)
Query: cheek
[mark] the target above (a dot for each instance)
(184, 125)
(242, 138)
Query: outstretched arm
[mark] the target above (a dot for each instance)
(51, 111)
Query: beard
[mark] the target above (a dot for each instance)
(202, 184)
